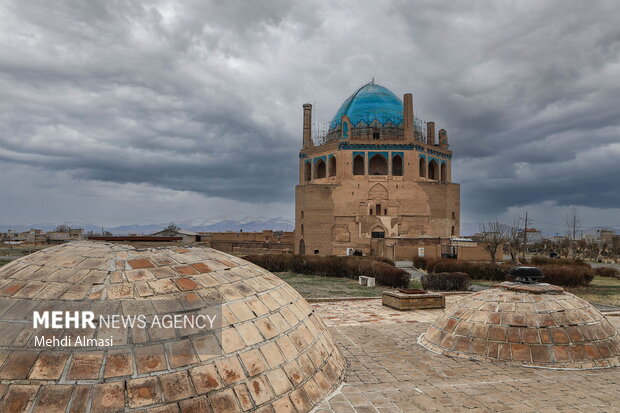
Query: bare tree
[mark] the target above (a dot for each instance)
(572, 224)
(172, 227)
(515, 241)
(493, 234)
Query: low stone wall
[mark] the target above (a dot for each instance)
(406, 302)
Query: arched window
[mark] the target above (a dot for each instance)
(302, 247)
(453, 232)
(444, 173)
(307, 171)
(332, 166)
(377, 165)
(302, 229)
(422, 168)
(358, 165)
(319, 169)
(432, 170)
(378, 209)
(397, 165)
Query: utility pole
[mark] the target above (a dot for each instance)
(525, 235)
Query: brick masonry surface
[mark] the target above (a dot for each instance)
(389, 372)
(402, 301)
(537, 325)
(277, 354)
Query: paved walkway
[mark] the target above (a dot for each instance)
(389, 372)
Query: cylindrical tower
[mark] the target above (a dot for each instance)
(430, 133)
(308, 126)
(408, 116)
(443, 139)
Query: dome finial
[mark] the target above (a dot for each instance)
(373, 80)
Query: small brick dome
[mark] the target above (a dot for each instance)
(274, 353)
(526, 324)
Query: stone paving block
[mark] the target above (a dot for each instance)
(49, 366)
(249, 333)
(80, 399)
(108, 397)
(180, 353)
(176, 386)
(150, 359)
(18, 398)
(279, 381)
(253, 361)
(272, 354)
(260, 390)
(18, 365)
(224, 401)
(194, 405)
(230, 370)
(206, 346)
(118, 363)
(231, 340)
(143, 392)
(85, 366)
(242, 395)
(284, 405)
(301, 400)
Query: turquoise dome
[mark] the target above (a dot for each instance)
(369, 103)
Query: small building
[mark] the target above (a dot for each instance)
(188, 237)
(35, 236)
(533, 236)
(264, 242)
(59, 237)
(466, 249)
(605, 236)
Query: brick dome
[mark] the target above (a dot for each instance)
(526, 324)
(269, 352)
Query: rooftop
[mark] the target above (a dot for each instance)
(370, 103)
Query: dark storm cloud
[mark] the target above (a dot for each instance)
(206, 96)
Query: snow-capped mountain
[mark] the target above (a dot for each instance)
(223, 223)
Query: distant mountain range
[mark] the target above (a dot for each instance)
(217, 224)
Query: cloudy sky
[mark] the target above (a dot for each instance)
(118, 112)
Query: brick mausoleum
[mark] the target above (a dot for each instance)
(378, 181)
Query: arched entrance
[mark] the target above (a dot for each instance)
(432, 170)
(302, 247)
(358, 165)
(320, 170)
(377, 165)
(332, 166)
(397, 165)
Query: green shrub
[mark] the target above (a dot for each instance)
(419, 262)
(385, 260)
(539, 260)
(564, 272)
(567, 275)
(607, 272)
(476, 270)
(446, 281)
(348, 267)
